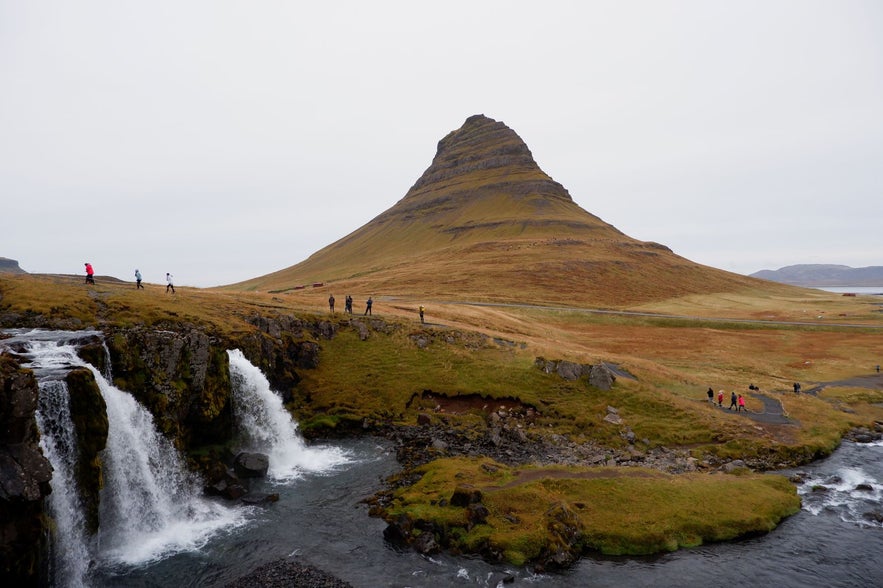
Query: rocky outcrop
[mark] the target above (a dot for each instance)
(89, 415)
(597, 376)
(283, 345)
(287, 573)
(181, 376)
(24, 479)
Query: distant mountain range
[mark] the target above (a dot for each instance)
(811, 274)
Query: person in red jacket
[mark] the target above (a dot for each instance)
(89, 274)
(741, 403)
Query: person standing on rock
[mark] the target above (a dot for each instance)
(169, 284)
(368, 306)
(421, 313)
(90, 274)
(331, 303)
(138, 285)
(732, 401)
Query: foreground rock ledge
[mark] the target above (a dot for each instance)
(288, 574)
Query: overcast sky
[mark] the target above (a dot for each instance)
(222, 140)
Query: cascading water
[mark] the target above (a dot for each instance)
(150, 505)
(70, 549)
(853, 490)
(266, 426)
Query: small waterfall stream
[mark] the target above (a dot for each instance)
(266, 426)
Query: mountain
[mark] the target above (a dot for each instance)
(824, 275)
(484, 222)
(10, 266)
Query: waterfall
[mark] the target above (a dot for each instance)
(70, 549)
(266, 426)
(151, 506)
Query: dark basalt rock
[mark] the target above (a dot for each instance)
(24, 480)
(251, 465)
(89, 415)
(258, 498)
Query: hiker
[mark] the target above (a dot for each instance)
(421, 313)
(878, 368)
(732, 401)
(348, 304)
(796, 388)
(368, 306)
(169, 284)
(331, 303)
(741, 403)
(720, 399)
(90, 274)
(138, 280)
(710, 395)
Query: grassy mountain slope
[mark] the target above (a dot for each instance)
(484, 222)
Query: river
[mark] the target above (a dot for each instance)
(319, 520)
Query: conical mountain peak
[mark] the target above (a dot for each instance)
(484, 222)
(481, 156)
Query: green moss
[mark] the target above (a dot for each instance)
(616, 511)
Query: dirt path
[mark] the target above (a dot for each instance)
(771, 414)
(872, 381)
(670, 316)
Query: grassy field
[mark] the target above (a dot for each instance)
(673, 360)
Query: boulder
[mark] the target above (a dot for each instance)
(251, 465)
(256, 498)
(569, 370)
(426, 544)
(465, 494)
(601, 377)
(477, 513)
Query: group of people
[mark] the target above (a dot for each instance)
(348, 304)
(90, 279)
(369, 305)
(737, 401)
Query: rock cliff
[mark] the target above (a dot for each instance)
(24, 479)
